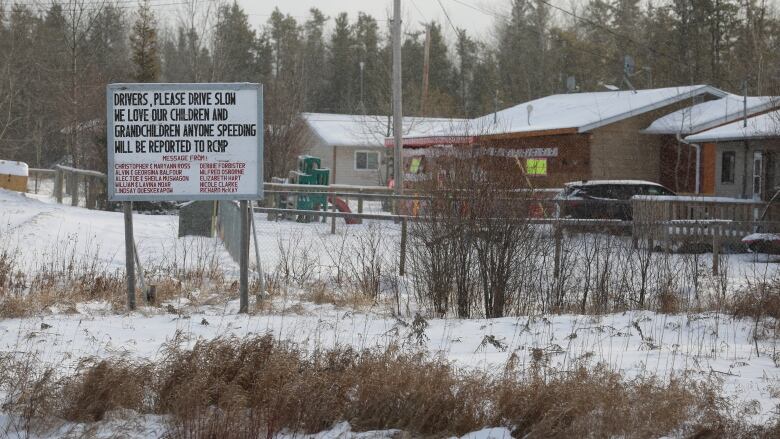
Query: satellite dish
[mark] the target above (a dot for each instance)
(629, 66)
(528, 110)
(571, 84)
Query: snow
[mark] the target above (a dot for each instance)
(753, 237)
(704, 345)
(369, 131)
(583, 112)
(697, 199)
(763, 126)
(489, 433)
(710, 114)
(8, 167)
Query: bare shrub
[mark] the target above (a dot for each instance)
(367, 264)
(296, 262)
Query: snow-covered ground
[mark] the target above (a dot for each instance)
(707, 345)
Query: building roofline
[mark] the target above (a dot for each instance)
(660, 104)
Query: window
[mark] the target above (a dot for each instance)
(727, 166)
(654, 190)
(536, 166)
(414, 167)
(366, 160)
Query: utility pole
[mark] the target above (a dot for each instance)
(426, 69)
(397, 102)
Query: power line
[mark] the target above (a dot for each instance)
(446, 15)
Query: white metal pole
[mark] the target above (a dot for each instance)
(397, 102)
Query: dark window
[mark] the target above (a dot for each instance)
(598, 191)
(655, 190)
(365, 160)
(727, 166)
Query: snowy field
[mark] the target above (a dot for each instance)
(705, 345)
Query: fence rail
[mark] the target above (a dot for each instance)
(689, 218)
(73, 182)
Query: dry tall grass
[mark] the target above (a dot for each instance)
(231, 388)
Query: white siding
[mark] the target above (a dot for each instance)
(347, 174)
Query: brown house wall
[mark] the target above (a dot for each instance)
(620, 151)
(677, 165)
(572, 162)
(708, 162)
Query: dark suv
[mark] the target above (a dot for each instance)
(604, 199)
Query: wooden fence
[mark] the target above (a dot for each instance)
(73, 182)
(687, 219)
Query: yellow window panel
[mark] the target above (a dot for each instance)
(415, 166)
(536, 166)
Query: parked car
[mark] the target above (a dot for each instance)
(604, 199)
(759, 242)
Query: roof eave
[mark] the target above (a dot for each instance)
(660, 104)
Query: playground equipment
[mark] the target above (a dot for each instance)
(310, 172)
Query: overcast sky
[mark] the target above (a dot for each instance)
(463, 13)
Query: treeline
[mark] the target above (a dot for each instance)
(55, 61)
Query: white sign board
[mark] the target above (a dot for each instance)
(184, 141)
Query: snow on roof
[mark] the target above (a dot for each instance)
(370, 131)
(758, 127)
(710, 114)
(8, 167)
(583, 111)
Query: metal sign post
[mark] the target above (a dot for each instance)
(181, 142)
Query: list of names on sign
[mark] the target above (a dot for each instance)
(184, 141)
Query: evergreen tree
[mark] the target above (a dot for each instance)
(343, 66)
(235, 46)
(143, 41)
(376, 78)
(314, 62)
(522, 52)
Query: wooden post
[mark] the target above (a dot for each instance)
(715, 250)
(557, 236)
(58, 184)
(333, 218)
(73, 185)
(360, 204)
(402, 262)
(244, 259)
(129, 254)
(92, 193)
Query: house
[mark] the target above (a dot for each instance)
(568, 137)
(680, 162)
(353, 146)
(745, 160)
